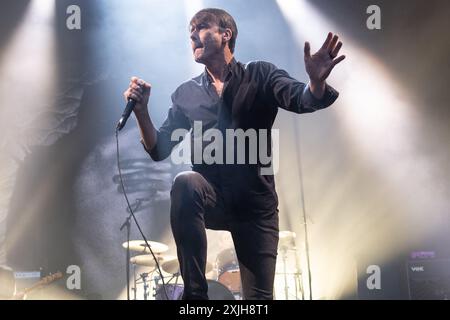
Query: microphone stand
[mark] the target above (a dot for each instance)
(127, 224)
(134, 218)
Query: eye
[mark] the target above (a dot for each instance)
(198, 27)
(201, 26)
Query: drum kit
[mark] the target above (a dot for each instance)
(225, 284)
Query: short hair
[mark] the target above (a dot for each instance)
(222, 18)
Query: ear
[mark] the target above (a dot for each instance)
(227, 34)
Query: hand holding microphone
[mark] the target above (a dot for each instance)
(137, 96)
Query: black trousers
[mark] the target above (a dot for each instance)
(197, 204)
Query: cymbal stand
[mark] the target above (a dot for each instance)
(144, 276)
(134, 289)
(299, 286)
(127, 224)
(176, 276)
(298, 278)
(155, 285)
(286, 287)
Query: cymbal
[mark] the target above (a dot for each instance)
(287, 234)
(227, 257)
(140, 246)
(287, 239)
(172, 266)
(146, 260)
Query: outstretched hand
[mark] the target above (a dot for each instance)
(319, 65)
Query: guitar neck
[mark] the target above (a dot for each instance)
(45, 281)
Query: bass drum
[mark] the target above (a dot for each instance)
(216, 291)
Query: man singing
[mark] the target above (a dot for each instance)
(230, 196)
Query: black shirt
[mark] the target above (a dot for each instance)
(250, 99)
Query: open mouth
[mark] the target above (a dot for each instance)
(198, 47)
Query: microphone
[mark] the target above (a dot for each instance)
(126, 113)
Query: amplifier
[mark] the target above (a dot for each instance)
(429, 279)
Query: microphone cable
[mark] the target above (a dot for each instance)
(134, 217)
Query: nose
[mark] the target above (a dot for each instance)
(193, 36)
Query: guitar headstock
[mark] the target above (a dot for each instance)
(51, 278)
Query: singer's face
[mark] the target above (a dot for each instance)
(206, 41)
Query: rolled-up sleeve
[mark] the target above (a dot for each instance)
(292, 95)
(176, 119)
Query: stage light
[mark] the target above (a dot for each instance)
(27, 76)
(381, 126)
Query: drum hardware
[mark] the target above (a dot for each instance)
(145, 259)
(285, 245)
(285, 275)
(167, 263)
(135, 281)
(286, 242)
(174, 290)
(144, 276)
(142, 279)
(127, 224)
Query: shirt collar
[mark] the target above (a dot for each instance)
(230, 66)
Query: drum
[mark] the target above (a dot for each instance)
(228, 271)
(174, 292)
(216, 291)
